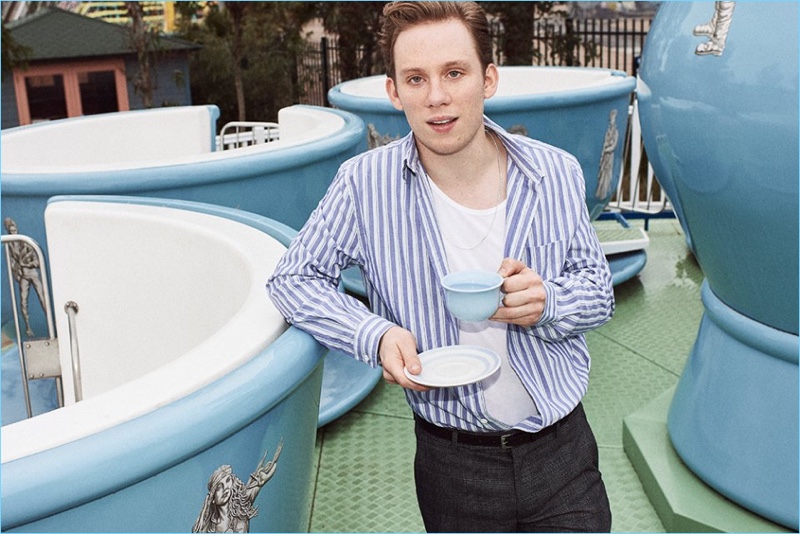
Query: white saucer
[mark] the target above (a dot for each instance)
(457, 365)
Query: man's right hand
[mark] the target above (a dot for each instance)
(398, 351)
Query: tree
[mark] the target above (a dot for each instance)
(516, 39)
(246, 65)
(515, 35)
(145, 42)
(356, 24)
(236, 13)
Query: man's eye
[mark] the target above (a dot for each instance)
(453, 74)
(414, 80)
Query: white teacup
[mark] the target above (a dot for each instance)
(472, 295)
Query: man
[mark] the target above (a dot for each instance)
(513, 452)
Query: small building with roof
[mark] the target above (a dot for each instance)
(78, 65)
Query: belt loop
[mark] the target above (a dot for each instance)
(454, 438)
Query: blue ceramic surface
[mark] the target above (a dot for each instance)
(150, 474)
(734, 416)
(284, 185)
(722, 135)
(345, 382)
(472, 295)
(718, 102)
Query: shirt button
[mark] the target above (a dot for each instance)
(485, 421)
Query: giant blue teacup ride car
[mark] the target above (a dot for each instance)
(719, 110)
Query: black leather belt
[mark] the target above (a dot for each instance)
(505, 440)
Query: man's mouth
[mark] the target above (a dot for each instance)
(441, 122)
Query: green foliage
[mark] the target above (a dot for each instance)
(357, 25)
(146, 42)
(14, 54)
(515, 42)
(271, 41)
(254, 47)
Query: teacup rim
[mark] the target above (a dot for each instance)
(495, 285)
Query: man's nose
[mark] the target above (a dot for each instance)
(438, 93)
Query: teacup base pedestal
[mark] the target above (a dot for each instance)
(735, 435)
(682, 501)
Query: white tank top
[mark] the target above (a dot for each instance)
(470, 243)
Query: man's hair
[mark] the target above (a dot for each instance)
(400, 16)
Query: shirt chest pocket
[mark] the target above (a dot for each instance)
(549, 259)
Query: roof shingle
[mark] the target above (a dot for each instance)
(53, 33)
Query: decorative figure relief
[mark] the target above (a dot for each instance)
(25, 269)
(229, 507)
(606, 172)
(716, 30)
(376, 139)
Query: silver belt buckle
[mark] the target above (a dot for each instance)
(504, 441)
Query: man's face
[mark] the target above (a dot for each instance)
(440, 85)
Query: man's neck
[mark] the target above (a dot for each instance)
(474, 177)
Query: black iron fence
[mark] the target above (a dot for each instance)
(318, 70)
(607, 43)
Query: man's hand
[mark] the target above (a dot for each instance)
(398, 350)
(524, 301)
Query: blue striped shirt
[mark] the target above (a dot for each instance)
(378, 214)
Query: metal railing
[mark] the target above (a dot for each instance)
(638, 191)
(71, 309)
(38, 358)
(241, 134)
(607, 43)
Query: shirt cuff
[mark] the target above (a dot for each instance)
(368, 339)
(549, 314)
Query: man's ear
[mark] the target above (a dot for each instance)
(391, 91)
(490, 80)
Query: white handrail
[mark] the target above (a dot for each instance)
(247, 133)
(629, 196)
(72, 310)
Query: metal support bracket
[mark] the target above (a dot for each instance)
(41, 357)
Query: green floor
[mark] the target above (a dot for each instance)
(364, 477)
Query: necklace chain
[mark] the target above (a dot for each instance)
(497, 203)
